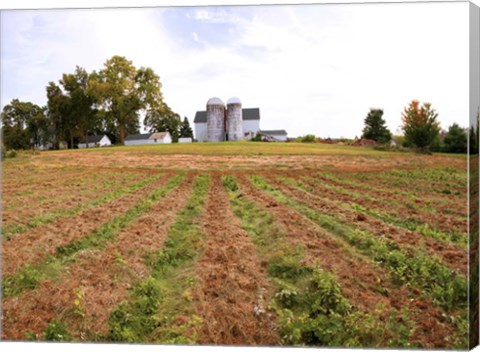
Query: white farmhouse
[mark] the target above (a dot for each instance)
(96, 141)
(148, 138)
(250, 123)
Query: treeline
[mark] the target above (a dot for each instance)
(82, 104)
(421, 131)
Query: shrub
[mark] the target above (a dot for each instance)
(309, 138)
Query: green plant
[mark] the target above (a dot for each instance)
(56, 331)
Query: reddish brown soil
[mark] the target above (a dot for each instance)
(25, 209)
(359, 278)
(383, 202)
(35, 245)
(338, 162)
(232, 280)
(103, 275)
(451, 255)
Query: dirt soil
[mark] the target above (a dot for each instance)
(233, 281)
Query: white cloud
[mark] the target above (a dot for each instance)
(310, 69)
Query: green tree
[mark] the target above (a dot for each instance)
(375, 128)
(57, 112)
(420, 125)
(185, 129)
(82, 119)
(123, 92)
(456, 140)
(38, 128)
(15, 119)
(163, 120)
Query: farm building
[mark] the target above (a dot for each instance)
(231, 123)
(250, 121)
(96, 141)
(275, 135)
(185, 140)
(148, 138)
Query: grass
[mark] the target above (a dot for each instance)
(154, 304)
(447, 288)
(308, 301)
(8, 231)
(29, 276)
(234, 148)
(410, 223)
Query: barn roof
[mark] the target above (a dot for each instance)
(247, 114)
(274, 132)
(137, 137)
(159, 135)
(94, 139)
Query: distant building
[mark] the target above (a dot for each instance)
(250, 123)
(148, 138)
(96, 141)
(275, 135)
(185, 140)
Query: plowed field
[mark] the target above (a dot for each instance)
(236, 244)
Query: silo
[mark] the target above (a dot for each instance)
(234, 119)
(215, 120)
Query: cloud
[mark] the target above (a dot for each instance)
(311, 69)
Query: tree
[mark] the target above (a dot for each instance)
(163, 120)
(15, 119)
(123, 92)
(38, 129)
(420, 125)
(82, 118)
(185, 129)
(456, 140)
(375, 128)
(57, 112)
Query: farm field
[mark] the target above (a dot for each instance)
(236, 244)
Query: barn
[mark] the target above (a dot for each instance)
(96, 141)
(148, 138)
(250, 123)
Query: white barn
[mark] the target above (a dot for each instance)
(96, 141)
(250, 123)
(148, 138)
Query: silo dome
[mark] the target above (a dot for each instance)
(234, 100)
(215, 101)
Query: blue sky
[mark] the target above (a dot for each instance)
(309, 68)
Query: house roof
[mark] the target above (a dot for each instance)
(247, 114)
(159, 135)
(274, 132)
(93, 139)
(137, 137)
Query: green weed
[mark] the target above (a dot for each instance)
(155, 302)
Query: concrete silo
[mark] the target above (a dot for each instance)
(215, 120)
(234, 119)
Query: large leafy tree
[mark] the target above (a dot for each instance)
(420, 125)
(163, 120)
(16, 117)
(455, 140)
(185, 129)
(38, 128)
(375, 128)
(58, 113)
(123, 92)
(82, 117)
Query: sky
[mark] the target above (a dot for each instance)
(311, 69)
